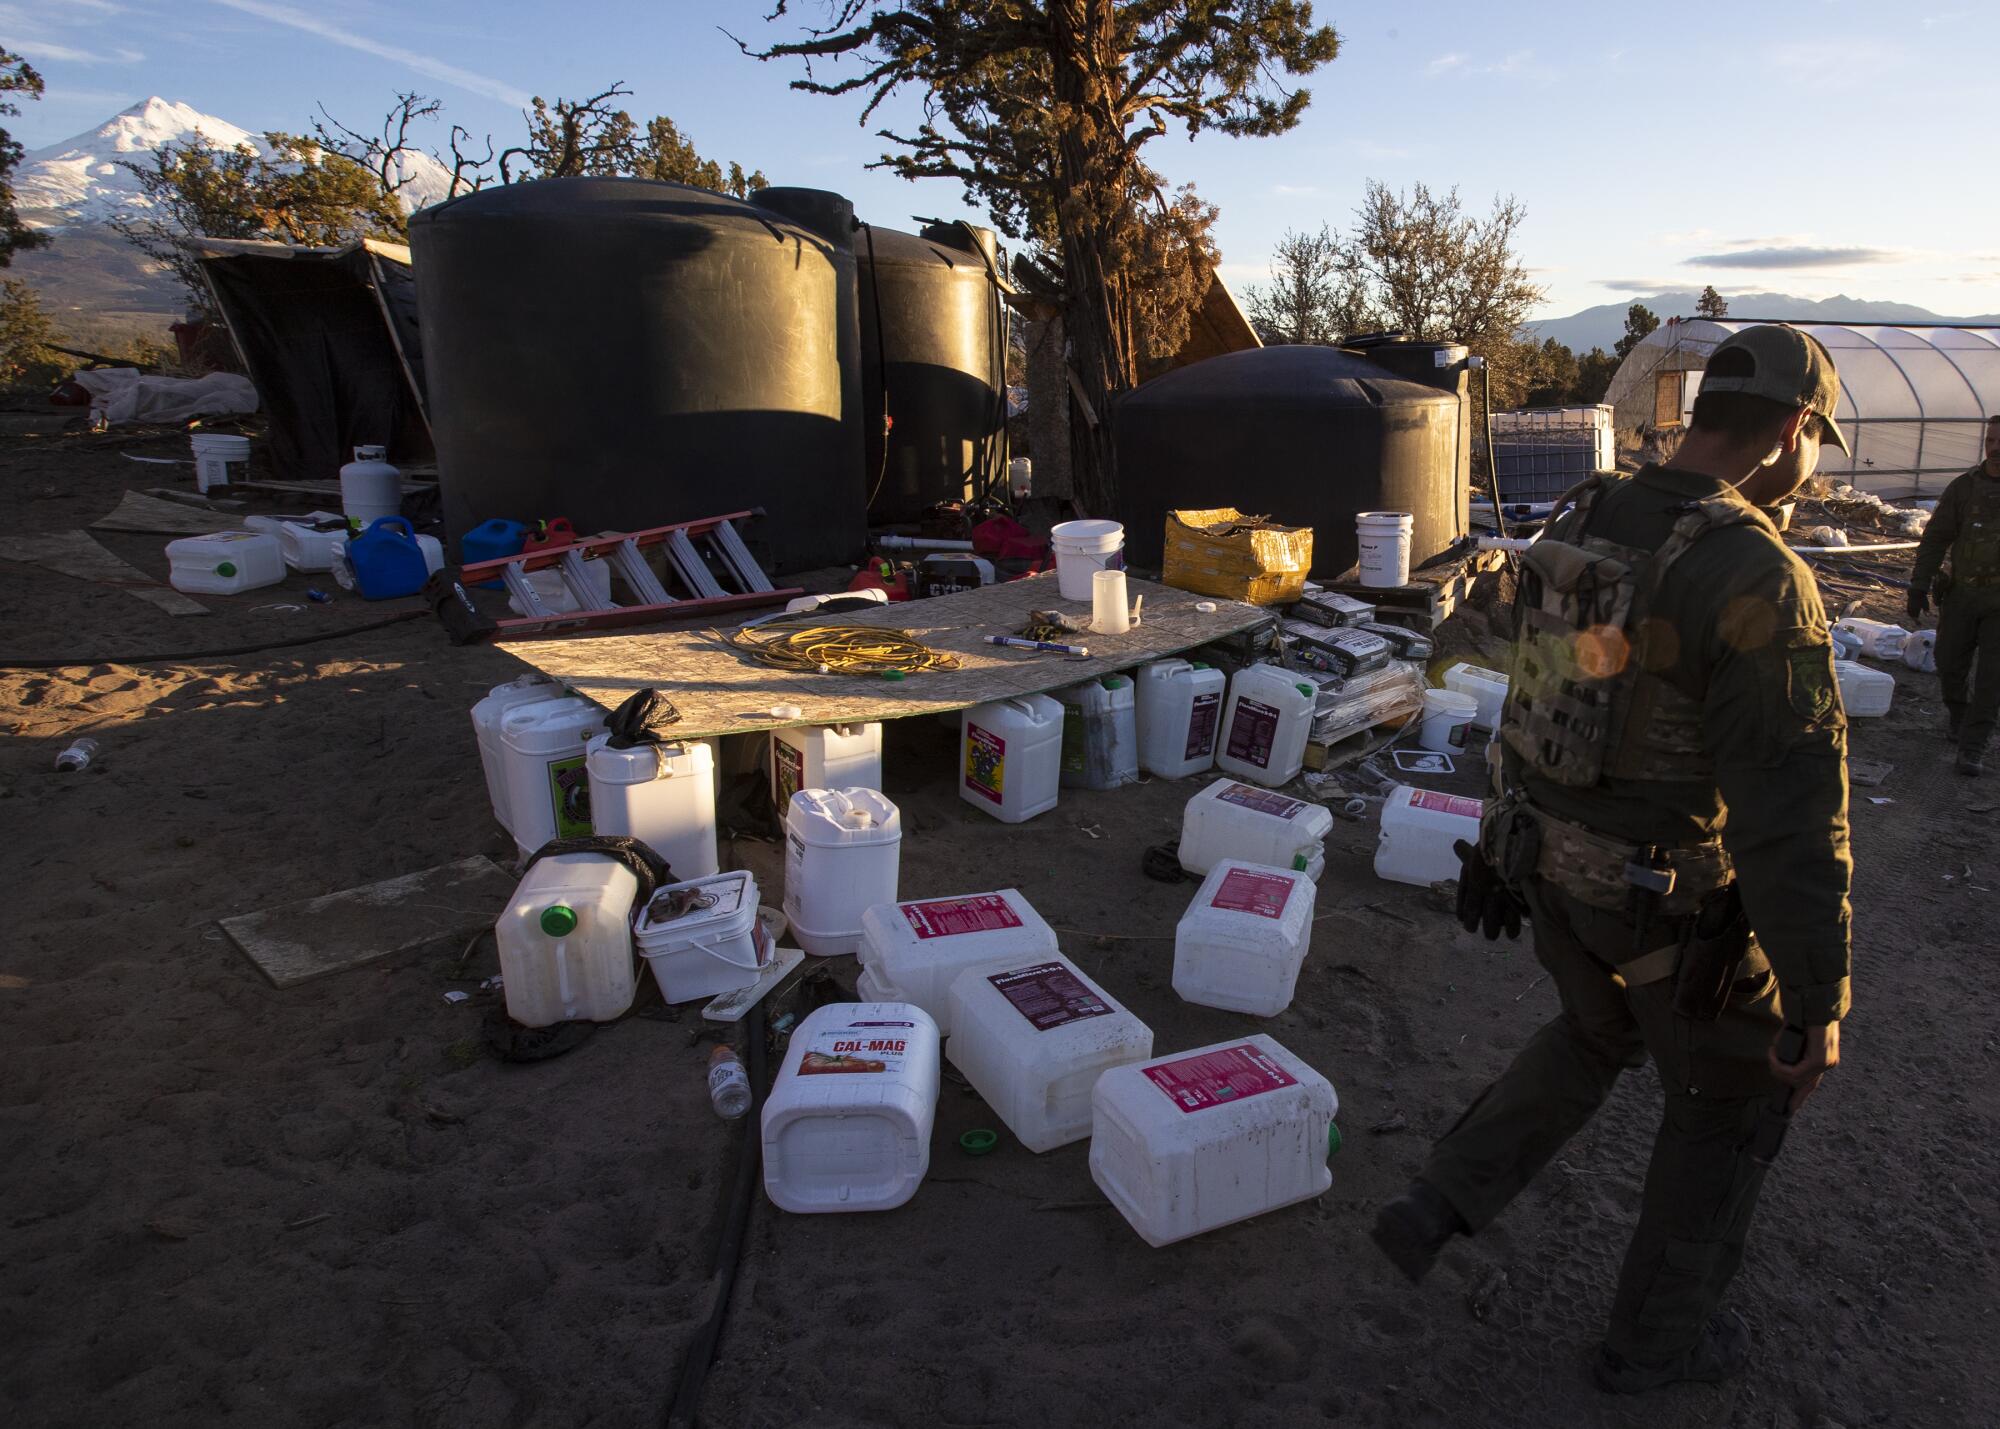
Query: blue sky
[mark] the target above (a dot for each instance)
(1807, 146)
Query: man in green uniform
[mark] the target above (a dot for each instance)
(1671, 817)
(1967, 525)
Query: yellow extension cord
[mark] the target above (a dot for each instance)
(841, 649)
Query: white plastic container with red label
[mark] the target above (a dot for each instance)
(831, 756)
(1242, 941)
(1186, 1143)
(1010, 757)
(913, 952)
(1419, 827)
(1180, 717)
(1033, 1037)
(847, 1126)
(1265, 726)
(1231, 819)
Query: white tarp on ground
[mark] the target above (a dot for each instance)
(124, 394)
(1912, 400)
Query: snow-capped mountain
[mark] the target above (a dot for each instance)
(84, 179)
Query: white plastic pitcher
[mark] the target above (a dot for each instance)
(1243, 939)
(842, 850)
(1384, 539)
(1265, 726)
(1082, 549)
(1448, 717)
(661, 794)
(1179, 712)
(566, 942)
(1010, 757)
(830, 756)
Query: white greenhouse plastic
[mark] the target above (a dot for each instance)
(1912, 399)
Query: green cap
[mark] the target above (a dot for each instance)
(558, 921)
(1788, 366)
(227, 568)
(978, 1141)
(1307, 690)
(1332, 1137)
(1114, 682)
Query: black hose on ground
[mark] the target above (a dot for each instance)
(20, 662)
(693, 1374)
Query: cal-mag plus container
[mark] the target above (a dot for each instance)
(912, 952)
(1180, 711)
(842, 850)
(1419, 827)
(1265, 726)
(1242, 941)
(832, 756)
(1033, 1038)
(1010, 757)
(847, 1126)
(1231, 819)
(1186, 1143)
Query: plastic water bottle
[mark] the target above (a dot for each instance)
(77, 757)
(728, 1083)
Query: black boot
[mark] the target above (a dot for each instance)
(1414, 1227)
(1721, 1353)
(1971, 763)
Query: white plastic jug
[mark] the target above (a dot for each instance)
(848, 1123)
(1265, 726)
(1243, 939)
(370, 488)
(303, 546)
(1194, 1140)
(1879, 639)
(1419, 827)
(831, 756)
(842, 847)
(225, 563)
(1920, 652)
(1231, 819)
(566, 941)
(554, 594)
(1865, 692)
(702, 937)
(1384, 539)
(1489, 687)
(1179, 714)
(1100, 739)
(548, 789)
(661, 794)
(1033, 1038)
(913, 952)
(1010, 757)
(1448, 717)
(486, 716)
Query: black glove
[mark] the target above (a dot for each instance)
(1919, 602)
(1485, 904)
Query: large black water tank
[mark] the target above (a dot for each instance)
(1306, 435)
(934, 339)
(629, 353)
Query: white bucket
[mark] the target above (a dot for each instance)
(219, 460)
(1384, 537)
(716, 947)
(1082, 549)
(1448, 717)
(842, 850)
(661, 794)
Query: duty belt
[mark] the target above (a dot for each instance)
(1595, 869)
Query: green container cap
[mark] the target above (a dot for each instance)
(978, 1141)
(1307, 691)
(892, 674)
(1332, 1137)
(558, 921)
(1298, 863)
(1198, 664)
(1114, 682)
(227, 568)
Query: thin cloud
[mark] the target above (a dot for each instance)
(1515, 62)
(1293, 190)
(1636, 285)
(1369, 149)
(1795, 257)
(421, 63)
(46, 50)
(1445, 64)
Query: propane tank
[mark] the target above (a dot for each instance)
(370, 488)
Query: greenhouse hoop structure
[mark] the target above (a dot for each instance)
(1913, 397)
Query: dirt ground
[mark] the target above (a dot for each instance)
(326, 1206)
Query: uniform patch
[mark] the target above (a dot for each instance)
(1812, 684)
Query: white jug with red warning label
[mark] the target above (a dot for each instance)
(1231, 819)
(912, 952)
(1188, 1142)
(1180, 715)
(1242, 941)
(1010, 757)
(1265, 726)
(847, 1126)
(1033, 1037)
(828, 756)
(1419, 827)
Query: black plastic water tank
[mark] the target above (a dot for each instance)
(1309, 436)
(629, 353)
(934, 344)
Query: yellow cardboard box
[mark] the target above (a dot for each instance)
(1247, 558)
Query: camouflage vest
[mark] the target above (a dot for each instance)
(1975, 555)
(1588, 698)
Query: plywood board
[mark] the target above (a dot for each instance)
(720, 690)
(76, 554)
(150, 515)
(297, 942)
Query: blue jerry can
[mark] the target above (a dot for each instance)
(387, 560)
(489, 541)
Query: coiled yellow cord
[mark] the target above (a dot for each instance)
(841, 649)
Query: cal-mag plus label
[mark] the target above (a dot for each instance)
(1253, 732)
(1245, 890)
(791, 762)
(985, 762)
(1262, 800)
(1202, 720)
(1049, 995)
(1446, 803)
(1228, 1074)
(948, 917)
(858, 1048)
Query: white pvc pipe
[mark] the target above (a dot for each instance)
(1854, 550)
(920, 543)
(1505, 543)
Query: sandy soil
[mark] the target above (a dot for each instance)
(226, 1203)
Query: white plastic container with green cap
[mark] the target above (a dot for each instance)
(1265, 726)
(1245, 936)
(225, 563)
(1179, 717)
(1231, 819)
(1100, 739)
(566, 941)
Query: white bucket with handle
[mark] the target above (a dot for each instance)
(703, 937)
(1384, 539)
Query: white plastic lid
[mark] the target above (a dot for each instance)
(725, 898)
(843, 816)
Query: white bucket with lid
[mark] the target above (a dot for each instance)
(1487, 687)
(1448, 717)
(661, 794)
(219, 459)
(703, 936)
(1082, 549)
(1384, 538)
(913, 952)
(842, 849)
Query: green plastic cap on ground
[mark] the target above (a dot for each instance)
(558, 920)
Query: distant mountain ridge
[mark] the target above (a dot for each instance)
(1604, 324)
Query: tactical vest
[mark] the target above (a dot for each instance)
(1975, 555)
(1588, 697)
